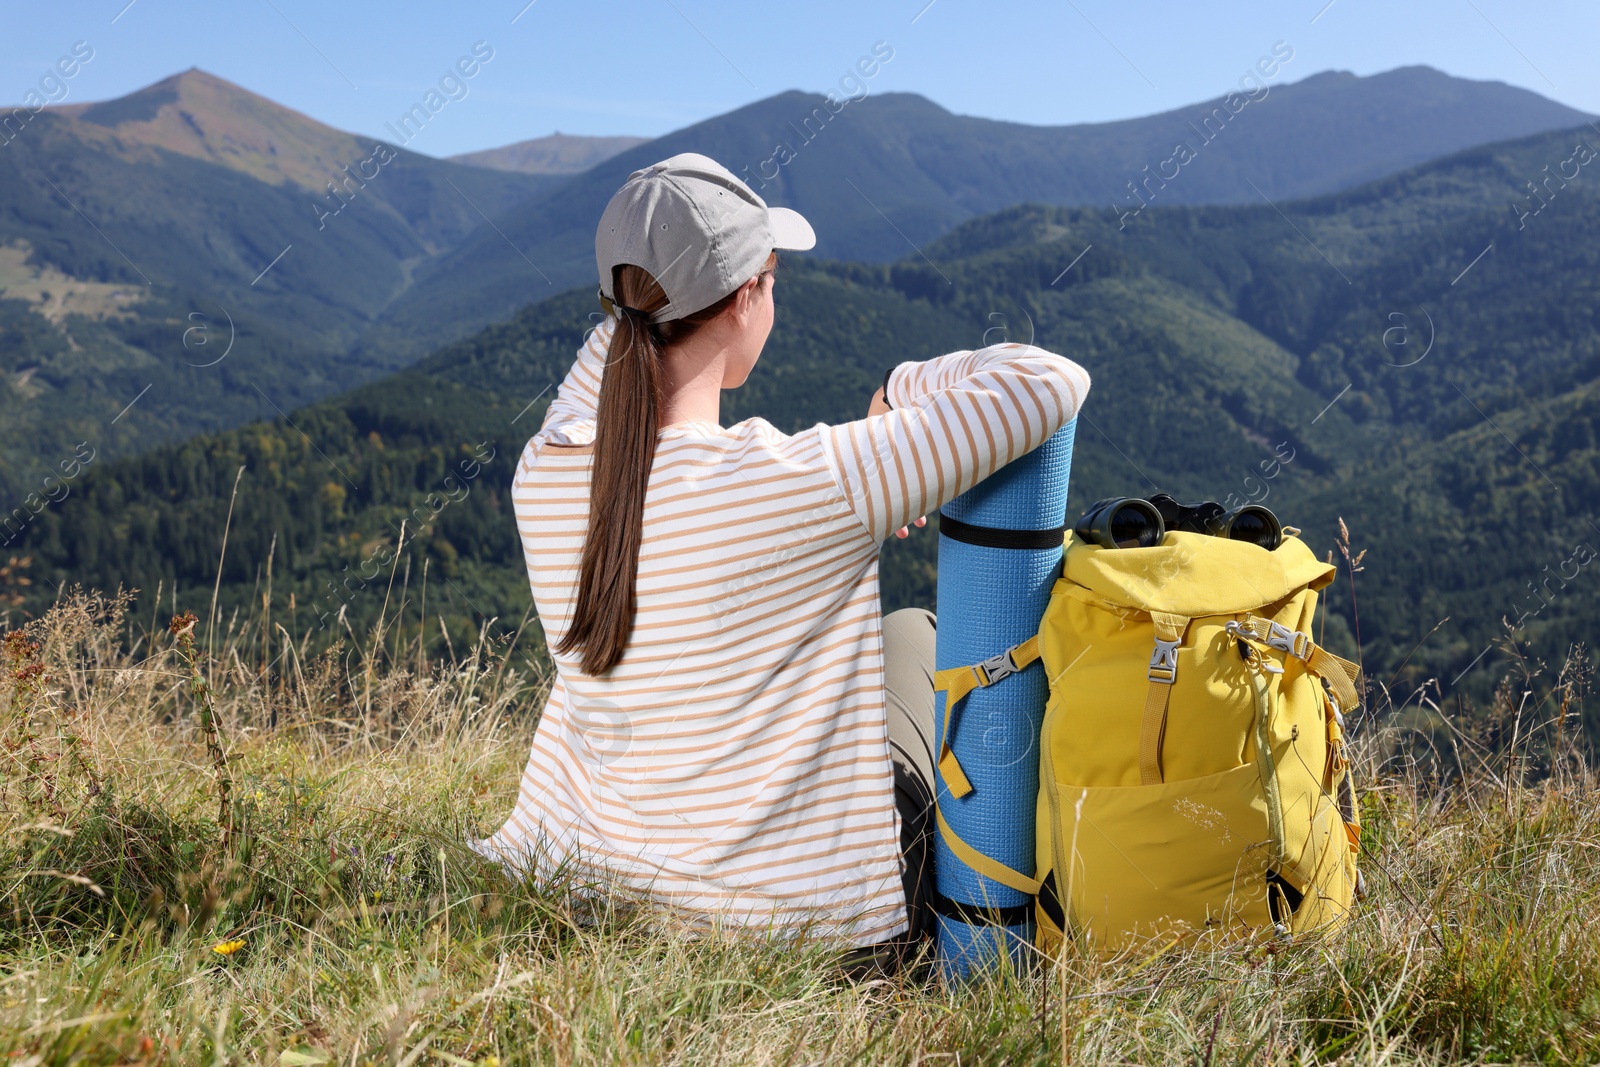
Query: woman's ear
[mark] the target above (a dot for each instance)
(744, 303)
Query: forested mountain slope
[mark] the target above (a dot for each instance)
(1416, 356)
(143, 238)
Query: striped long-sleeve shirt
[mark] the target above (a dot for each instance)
(735, 763)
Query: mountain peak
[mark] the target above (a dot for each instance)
(197, 114)
(190, 86)
(1419, 86)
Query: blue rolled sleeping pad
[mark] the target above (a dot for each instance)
(991, 598)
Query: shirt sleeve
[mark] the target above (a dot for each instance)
(954, 421)
(578, 397)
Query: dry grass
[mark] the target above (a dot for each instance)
(346, 922)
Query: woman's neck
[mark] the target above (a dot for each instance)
(691, 386)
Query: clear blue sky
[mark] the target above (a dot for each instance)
(649, 66)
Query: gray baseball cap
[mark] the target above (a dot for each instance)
(698, 230)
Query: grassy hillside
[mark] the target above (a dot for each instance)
(330, 912)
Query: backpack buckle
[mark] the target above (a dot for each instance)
(1241, 631)
(1294, 642)
(997, 667)
(1164, 662)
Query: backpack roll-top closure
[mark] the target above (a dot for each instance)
(1193, 575)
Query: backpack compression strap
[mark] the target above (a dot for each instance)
(1340, 674)
(1162, 674)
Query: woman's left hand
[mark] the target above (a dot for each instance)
(905, 531)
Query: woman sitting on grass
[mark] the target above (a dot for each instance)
(734, 731)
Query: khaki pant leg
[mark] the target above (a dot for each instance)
(908, 644)
(908, 647)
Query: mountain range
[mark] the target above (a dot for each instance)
(210, 212)
(192, 256)
(884, 175)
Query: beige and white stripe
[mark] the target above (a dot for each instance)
(735, 763)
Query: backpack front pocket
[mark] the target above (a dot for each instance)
(1159, 863)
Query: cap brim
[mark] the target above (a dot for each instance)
(790, 230)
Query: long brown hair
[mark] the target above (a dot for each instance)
(626, 427)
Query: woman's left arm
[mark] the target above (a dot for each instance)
(947, 424)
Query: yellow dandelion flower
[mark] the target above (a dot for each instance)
(227, 948)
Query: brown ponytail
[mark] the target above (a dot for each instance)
(626, 425)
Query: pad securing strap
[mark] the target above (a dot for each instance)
(994, 537)
(984, 865)
(982, 915)
(957, 682)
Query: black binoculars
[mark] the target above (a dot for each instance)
(1133, 522)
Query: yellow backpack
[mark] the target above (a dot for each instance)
(1192, 759)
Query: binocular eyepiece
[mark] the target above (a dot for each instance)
(1121, 522)
(1133, 522)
